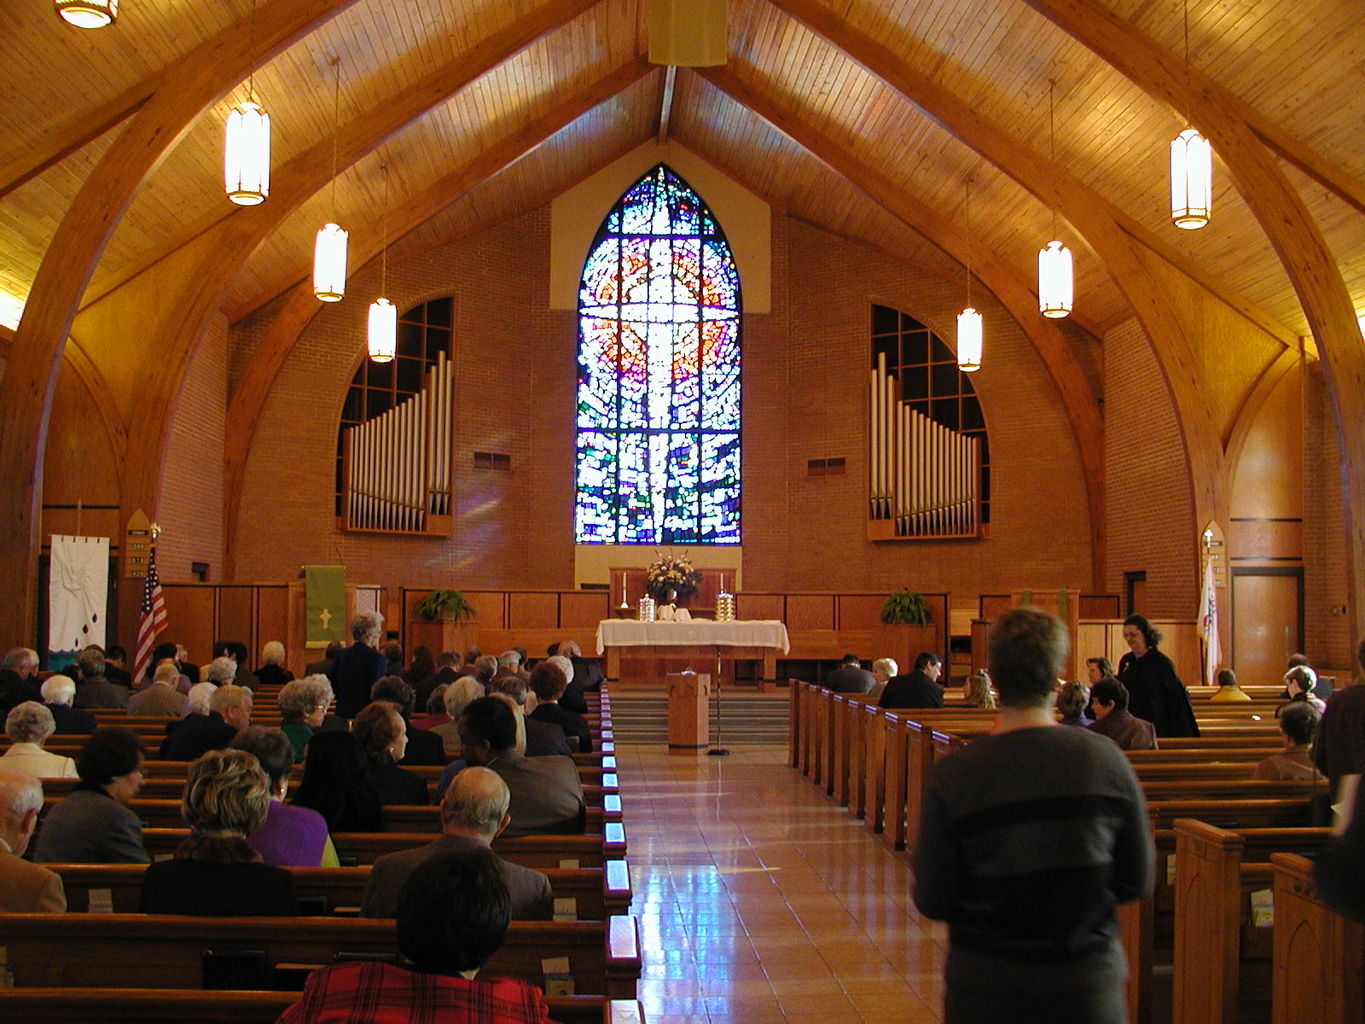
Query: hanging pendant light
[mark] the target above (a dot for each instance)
(1191, 180)
(1191, 166)
(87, 13)
(329, 251)
(246, 165)
(382, 336)
(1055, 288)
(969, 324)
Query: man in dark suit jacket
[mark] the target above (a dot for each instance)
(1109, 701)
(473, 813)
(849, 677)
(919, 689)
(58, 692)
(447, 671)
(543, 739)
(546, 794)
(328, 664)
(18, 678)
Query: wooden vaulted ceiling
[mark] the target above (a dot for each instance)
(862, 117)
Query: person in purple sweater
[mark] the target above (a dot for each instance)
(290, 836)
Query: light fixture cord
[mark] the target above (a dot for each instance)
(1052, 148)
(251, 75)
(968, 185)
(384, 258)
(336, 130)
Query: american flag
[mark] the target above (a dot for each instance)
(151, 620)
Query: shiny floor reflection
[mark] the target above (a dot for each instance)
(762, 902)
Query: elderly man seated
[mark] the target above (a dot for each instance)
(93, 690)
(452, 916)
(473, 813)
(58, 692)
(24, 888)
(163, 697)
(546, 794)
(28, 727)
(229, 711)
(18, 677)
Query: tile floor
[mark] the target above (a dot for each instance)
(762, 902)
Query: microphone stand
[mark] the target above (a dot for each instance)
(717, 750)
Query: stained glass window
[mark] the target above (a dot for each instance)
(659, 373)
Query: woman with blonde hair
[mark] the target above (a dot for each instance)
(215, 872)
(977, 690)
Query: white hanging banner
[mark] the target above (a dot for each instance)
(78, 593)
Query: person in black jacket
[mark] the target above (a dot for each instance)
(424, 747)
(384, 735)
(548, 682)
(919, 689)
(1155, 692)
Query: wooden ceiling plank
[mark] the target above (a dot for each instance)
(1082, 205)
(995, 274)
(363, 134)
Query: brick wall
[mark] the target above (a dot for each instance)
(1327, 634)
(1150, 508)
(805, 372)
(190, 505)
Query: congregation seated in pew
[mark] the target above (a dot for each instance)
(1109, 703)
(474, 811)
(93, 825)
(290, 835)
(1298, 723)
(216, 872)
(25, 888)
(336, 783)
(28, 726)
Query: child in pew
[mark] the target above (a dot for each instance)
(1298, 724)
(453, 913)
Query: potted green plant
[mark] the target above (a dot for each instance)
(444, 606)
(905, 607)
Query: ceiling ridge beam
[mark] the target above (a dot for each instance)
(995, 274)
(255, 384)
(1040, 177)
(364, 133)
(1308, 261)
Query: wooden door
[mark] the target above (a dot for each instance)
(1267, 622)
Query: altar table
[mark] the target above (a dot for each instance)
(701, 640)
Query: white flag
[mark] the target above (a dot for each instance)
(78, 592)
(1208, 626)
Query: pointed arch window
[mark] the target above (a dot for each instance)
(658, 451)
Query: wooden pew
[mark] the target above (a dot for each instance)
(191, 1006)
(548, 851)
(597, 893)
(1317, 954)
(93, 950)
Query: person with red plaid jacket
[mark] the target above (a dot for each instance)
(452, 916)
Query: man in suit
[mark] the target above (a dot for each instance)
(18, 678)
(24, 888)
(328, 664)
(1109, 701)
(546, 794)
(473, 813)
(229, 712)
(548, 682)
(542, 738)
(359, 666)
(162, 697)
(94, 690)
(849, 677)
(447, 671)
(919, 689)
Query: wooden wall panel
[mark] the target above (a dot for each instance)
(760, 606)
(272, 616)
(189, 617)
(581, 609)
(490, 607)
(237, 619)
(1276, 540)
(532, 609)
(859, 611)
(810, 611)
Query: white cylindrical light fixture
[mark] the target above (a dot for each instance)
(329, 263)
(246, 163)
(383, 332)
(1055, 293)
(1191, 180)
(87, 13)
(969, 340)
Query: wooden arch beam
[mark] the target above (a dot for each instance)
(301, 306)
(995, 274)
(1272, 199)
(204, 75)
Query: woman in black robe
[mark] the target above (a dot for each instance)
(1155, 692)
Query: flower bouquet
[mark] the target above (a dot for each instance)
(671, 573)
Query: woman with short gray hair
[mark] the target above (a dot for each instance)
(28, 726)
(303, 706)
